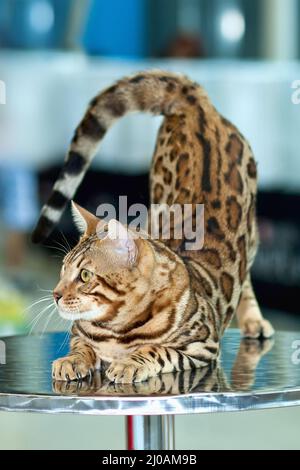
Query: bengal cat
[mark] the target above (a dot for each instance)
(150, 306)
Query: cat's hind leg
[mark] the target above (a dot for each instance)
(250, 320)
(251, 351)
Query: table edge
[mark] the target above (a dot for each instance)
(150, 405)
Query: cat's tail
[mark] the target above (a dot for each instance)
(153, 91)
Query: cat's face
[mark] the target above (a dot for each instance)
(102, 274)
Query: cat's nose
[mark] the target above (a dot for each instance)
(57, 296)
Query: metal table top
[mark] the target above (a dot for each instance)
(249, 375)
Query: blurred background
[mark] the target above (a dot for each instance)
(56, 54)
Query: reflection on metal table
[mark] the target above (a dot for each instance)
(251, 374)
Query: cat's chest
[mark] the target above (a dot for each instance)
(104, 343)
(110, 350)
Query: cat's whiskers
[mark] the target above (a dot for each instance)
(43, 299)
(48, 320)
(66, 241)
(62, 250)
(44, 290)
(59, 321)
(62, 247)
(66, 339)
(36, 319)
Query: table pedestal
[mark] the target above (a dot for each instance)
(150, 432)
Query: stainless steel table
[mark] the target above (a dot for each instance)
(250, 375)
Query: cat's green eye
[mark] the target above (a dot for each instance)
(85, 275)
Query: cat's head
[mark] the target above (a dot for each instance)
(107, 270)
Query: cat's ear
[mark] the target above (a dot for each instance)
(122, 242)
(86, 223)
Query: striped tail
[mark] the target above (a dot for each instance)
(155, 91)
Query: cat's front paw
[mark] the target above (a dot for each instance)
(128, 372)
(71, 368)
(74, 387)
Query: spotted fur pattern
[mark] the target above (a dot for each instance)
(158, 307)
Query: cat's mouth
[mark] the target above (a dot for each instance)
(87, 315)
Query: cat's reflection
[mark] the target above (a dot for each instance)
(209, 379)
